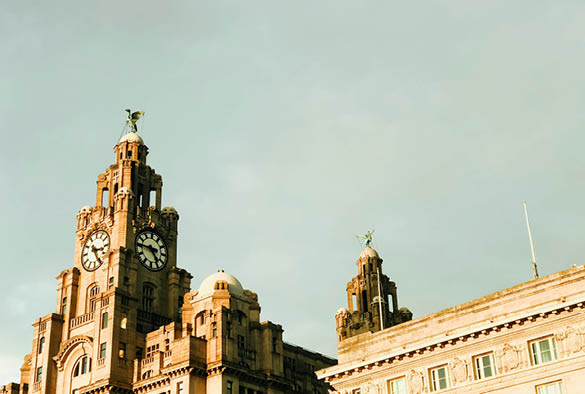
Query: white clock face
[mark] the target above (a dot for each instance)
(94, 250)
(151, 250)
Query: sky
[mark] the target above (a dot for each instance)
(283, 129)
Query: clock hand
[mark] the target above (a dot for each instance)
(148, 252)
(95, 250)
(153, 250)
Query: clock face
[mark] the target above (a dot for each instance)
(94, 250)
(151, 250)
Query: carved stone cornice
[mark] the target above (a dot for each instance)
(576, 339)
(105, 387)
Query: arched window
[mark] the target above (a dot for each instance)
(41, 344)
(140, 195)
(94, 291)
(83, 366)
(105, 197)
(147, 297)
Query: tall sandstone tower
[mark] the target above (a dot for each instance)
(124, 283)
(127, 321)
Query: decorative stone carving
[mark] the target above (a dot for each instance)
(380, 385)
(510, 358)
(416, 381)
(459, 370)
(572, 340)
(66, 348)
(368, 388)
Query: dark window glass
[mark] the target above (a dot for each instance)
(104, 320)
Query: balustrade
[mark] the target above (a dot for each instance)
(81, 320)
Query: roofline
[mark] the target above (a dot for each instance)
(309, 352)
(473, 330)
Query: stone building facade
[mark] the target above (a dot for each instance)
(527, 339)
(127, 321)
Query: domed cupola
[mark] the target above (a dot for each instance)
(220, 281)
(131, 147)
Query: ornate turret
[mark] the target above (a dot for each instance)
(371, 298)
(131, 176)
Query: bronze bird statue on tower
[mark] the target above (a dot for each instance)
(133, 118)
(367, 237)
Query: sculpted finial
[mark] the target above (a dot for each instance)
(133, 118)
(367, 237)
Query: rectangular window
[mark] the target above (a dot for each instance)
(147, 304)
(64, 306)
(180, 388)
(228, 387)
(122, 350)
(439, 378)
(241, 344)
(214, 330)
(39, 374)
(484, 366)
(242, 390)
(543, 351)
(274, 343)
(397, 386)
(104, 320)
(103, 350)
(550, 388)
(111, 282)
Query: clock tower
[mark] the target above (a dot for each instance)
(123, 284)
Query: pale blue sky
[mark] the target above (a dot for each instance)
(282, 129)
